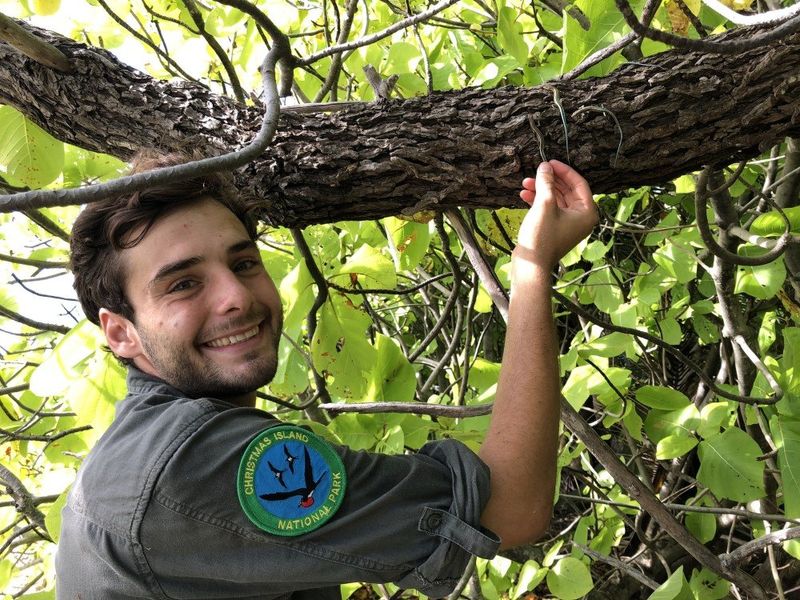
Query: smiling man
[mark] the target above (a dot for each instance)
(194, 493)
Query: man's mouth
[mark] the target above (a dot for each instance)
(233, 339)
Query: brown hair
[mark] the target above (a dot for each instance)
(105, 228)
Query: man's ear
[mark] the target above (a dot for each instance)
(121, 335)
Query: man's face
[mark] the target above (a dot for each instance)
(207, 317)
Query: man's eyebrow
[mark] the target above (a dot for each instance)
(243, 245)
(172, 268)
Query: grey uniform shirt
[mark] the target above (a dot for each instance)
(154, 512)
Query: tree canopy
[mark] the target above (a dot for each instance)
(395, 135)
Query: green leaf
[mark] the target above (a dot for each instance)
(609, 345)
(766, 333)
(402, 58)
(291, 377)
(53, 519)
(509, 34)
(703, 526)
(792, 548)
(674, 588)
(94, 396)
(663, 398)
(786, 433)
(761, 282)
(569, 579)
(493, 70)
(411, 240)
(370, 268)
(341, 351)
(297, 295)
(670, 331)
(28, 155)
(82, 166)
(586, 380)
(606, 25)
(64, 364)
(729, 466)
(714, 416)
(48, 595)
(392, 379)
(771, 223)
(707, 585)
(675, 445)
(677, 260)
(530, 575)
(790, 362)
(659, 423)
(603, 290)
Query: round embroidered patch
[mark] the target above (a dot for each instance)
(290, 481)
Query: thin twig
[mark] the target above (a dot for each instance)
(415, 408)
(10, 314)
(319, 300)
(365, 41)
(199, 21)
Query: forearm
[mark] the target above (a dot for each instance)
(521, 444)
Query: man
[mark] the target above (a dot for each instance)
(193, 493)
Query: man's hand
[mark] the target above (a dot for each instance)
(562, 214)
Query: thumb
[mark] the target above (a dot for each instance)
(545, 182)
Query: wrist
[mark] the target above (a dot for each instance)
(527, 265)
(523, 255)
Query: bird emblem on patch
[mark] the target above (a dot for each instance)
(290, 481)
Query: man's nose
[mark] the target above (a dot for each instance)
(231, 294)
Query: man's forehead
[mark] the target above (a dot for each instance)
(188, 233)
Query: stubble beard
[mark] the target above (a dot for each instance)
(206, 379)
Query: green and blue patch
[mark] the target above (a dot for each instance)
(290, 481)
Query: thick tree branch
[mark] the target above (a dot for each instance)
(228, 161)
(679, 111)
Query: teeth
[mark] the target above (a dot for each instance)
(233, 339)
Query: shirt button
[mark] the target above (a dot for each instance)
(434, 520)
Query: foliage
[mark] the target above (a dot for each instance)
(405, 320)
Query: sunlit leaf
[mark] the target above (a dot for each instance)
(786, 434)
(569, 579)
(341, 351)
(729, 466)
(28, 155)
(674, 588)
(761, 282)
(662, 398)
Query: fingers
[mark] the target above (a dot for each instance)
(557, 181)
(571, 178)
(528, 193)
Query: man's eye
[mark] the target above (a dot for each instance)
(181, 286)
(245, 265)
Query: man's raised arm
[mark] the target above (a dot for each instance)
(522, 443)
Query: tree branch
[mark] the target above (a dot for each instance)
(730, 559)
(226, 162)
(375, 37)
(652, 505)
(722, 47)
(24, 501)
(32, 46)
(10, 314)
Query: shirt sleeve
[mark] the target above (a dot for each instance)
(410, 519)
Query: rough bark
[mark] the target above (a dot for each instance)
(678, 111)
